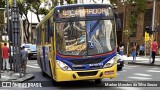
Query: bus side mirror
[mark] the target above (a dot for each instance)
(118, 21)
(118, 24)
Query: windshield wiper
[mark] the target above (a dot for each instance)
(95, 25)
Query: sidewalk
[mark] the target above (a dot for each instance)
(15, 77)
(142, 60)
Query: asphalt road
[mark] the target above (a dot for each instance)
(129, 74)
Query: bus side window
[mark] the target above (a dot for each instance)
(39, 35)
(47, 28)
(51, 31)
(51, 28)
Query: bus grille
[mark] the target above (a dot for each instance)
(87, 61)
(93, 73)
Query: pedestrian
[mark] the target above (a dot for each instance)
(23, 55)
(154, 48)
(141, 48)
(5, 56)
(121, 49)
(137, 50)
(134, 52)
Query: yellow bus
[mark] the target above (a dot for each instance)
(78, 42)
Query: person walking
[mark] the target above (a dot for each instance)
(23, 55)
(141, 48)
(134, 52)
(154, 48)
(5, 56)
(121, 49)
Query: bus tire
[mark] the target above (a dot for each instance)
(55, 83)
(98, 81)
(119, 68)
(44, 74)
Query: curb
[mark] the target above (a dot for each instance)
(20, 80)
(144, 64)
(32, 77)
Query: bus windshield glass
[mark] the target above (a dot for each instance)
(85, 30)
(85, 37)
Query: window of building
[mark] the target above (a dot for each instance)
(134, 26)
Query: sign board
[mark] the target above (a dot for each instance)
(146, 36)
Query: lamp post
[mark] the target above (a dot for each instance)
(153, 15)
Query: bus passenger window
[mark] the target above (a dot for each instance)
(47, 35)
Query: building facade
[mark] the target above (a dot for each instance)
(143, 20)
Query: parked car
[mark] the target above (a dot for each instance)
(27, 46)
(32, 52)
(120, 62)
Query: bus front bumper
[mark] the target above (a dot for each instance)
(86, 74)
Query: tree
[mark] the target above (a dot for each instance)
(139, 7)
(24, 7)
(35, 7)
(2, 4)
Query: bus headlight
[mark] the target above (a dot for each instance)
(63, 66)
(110, 63)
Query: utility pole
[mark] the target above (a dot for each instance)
(16, 37)
(153, 15)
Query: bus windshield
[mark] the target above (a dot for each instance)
(85, 37)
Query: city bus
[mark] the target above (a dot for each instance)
(78, 42)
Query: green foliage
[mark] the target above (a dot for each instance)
(2, 4)
(141, 6)
(113, 1)
(43, 11)
(70, 1)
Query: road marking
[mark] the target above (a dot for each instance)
(127, 67)
(131, 66)
(139, 78)
(153, 71)
(35, 64)
(142, 74)
(5, 77)
(128, 88)
(31, 62)
(123, 71)
(32, 66)
(154, 68)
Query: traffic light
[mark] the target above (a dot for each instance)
(149, 30)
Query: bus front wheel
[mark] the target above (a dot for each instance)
(98, 81)
(44, 74)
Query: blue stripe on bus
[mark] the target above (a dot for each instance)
(86, 66)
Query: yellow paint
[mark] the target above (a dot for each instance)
(146, 36)
(67, 75)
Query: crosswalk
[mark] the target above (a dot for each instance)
(33, 65)
(136, 72)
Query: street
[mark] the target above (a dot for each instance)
(129, 73)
